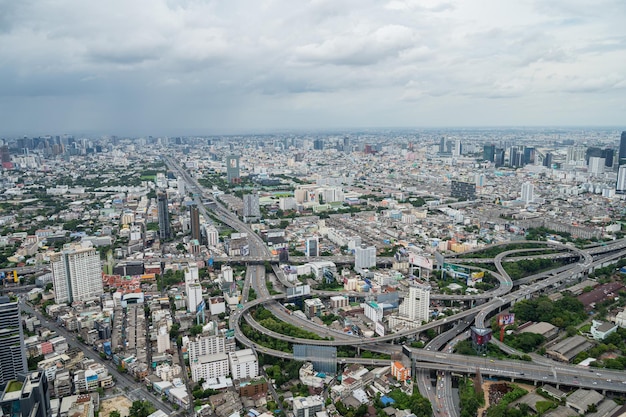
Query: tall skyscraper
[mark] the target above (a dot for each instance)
(251, 208)
(596, 165)
(232, 169)
(12, 352)
(489, 152)
(194, 214)
(318, 144)
(527, 194)
(621, 160)
(415, 305)
(28, 396)
(164, 216)
(620, 187)
(76, 274)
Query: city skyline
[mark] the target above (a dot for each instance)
(203, 68)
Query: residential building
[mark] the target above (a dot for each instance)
(307, 406)
(415, 305)
(251, 208)
(194, 214)
(12, 357)
(364, 257)
(399, 371)
(209, 366)
(77, 275)
(463, 190)
(243, 364)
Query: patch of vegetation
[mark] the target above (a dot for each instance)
(567, 311)
(470, 400)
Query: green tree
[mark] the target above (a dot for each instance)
(115, 413)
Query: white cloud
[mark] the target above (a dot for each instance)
(337, 60)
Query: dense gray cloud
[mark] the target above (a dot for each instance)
(194, 66)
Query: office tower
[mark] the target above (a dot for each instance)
(251, 207)
(442, 145)
(458, 148)
(194, 214)
(516, 157)
(318, 144)
(76, 274)
(489, 152)
(620, 187)
(164, 216)
(596, 165)
(621, 160)
(463, 190)
(364, 257)
(499, 157)
(12, 352)
(529, 155)
(232, 169)
(547, 160)
(608, 155)
(527, 192)
(312, 246)
(347, 147)
(415, 305)
(5, 157)
(27, 395)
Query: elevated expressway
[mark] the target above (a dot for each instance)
(503, 297)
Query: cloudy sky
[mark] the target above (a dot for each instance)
(228, 66)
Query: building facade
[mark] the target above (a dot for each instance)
(12, 357)
(76, 274)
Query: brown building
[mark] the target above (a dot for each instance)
(253, 388)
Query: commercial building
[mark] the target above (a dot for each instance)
(27, 395)
(12, 357)
(251, 208)
(164, 216)
(194, 214)
(312, 246)
(463, 190)
(232, 169)
(76, 274)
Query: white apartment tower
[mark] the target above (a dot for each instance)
(416, 304)
(527, 194)
(193, 289)
(76, 274)
(243, 364)
(364, 257)
(596, 165)
(620, 187)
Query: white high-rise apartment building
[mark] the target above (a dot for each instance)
(76, 274)
(416, 304)
(193, 289)
(203, 346)
(620, 187)
(364, 257)
(243, 364)
(596, 165)
(210, 366)
(527, 195)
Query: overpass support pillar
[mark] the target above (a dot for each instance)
(358, 351)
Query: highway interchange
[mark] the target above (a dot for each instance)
(541, 370)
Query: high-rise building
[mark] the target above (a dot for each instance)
(415, 305)
(499, 157)
(194, 214)
(621, 160)
(529, 155)
(193, 289)
(251, 208)
(364, 257)
(547, 160)
(312, 246)
(243, 364)
(442, 145)
(318, 144)
(164, 216)
(232, 169)
(27, 396)
(620, 187)
(608, 155)
(489, 152)
(76, 274)
(463, 190)
(12, 352)
(527, 192)
(596, 165)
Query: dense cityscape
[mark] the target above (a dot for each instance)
(414, 272)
